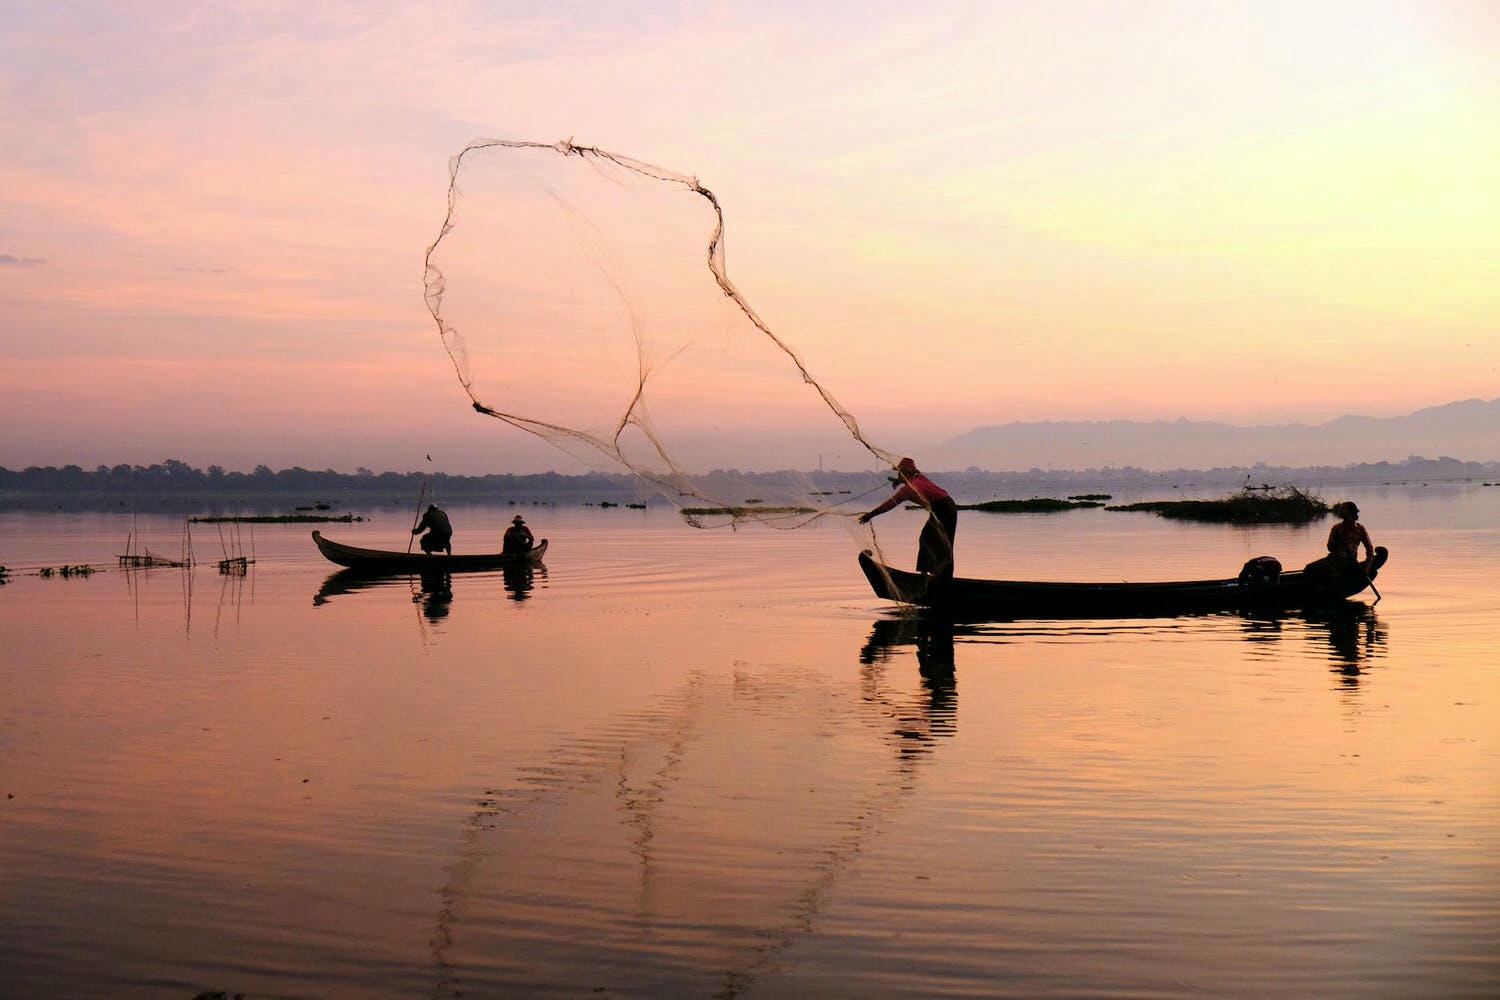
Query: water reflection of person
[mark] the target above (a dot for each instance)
(935, 666)
(1354, 636)
(935, 649)
(518, 580)
(935, 714)
(437, 595)
(1352, 631)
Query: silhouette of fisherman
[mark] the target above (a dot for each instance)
(1346, 537)
(439, 537)
(1345, 540)
(517, 539)
(935, 546)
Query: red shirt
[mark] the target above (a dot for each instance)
(918, 489)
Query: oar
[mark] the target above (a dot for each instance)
(418, 518)
(1369, 580)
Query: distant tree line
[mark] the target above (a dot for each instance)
(177, 477)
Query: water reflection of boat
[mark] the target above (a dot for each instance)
(383, 561)
(436, 585)
(1351, 631)
(999, 599)
(349, 581)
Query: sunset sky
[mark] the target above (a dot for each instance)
(213, 216)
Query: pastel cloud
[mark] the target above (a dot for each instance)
(1032, 210)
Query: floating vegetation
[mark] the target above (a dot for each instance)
(278, 519)
(65, 571)
(1036, 505)
(3, 574)
(1091, 496)
(1251, 505)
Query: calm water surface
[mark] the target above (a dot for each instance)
(708, 763)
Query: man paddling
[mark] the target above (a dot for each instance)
(439, 537)
(935, 546)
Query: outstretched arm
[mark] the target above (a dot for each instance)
(875, 512)
(905, 492)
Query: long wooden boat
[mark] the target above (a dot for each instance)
(382, 561)
(1017, 598)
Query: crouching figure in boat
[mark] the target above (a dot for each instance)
(439, 537)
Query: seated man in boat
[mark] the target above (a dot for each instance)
(1344, 542)
(439, 537)
(518, 539)
(935, 546)
(1346, 537)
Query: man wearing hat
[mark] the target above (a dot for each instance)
(935, 546)
(518, 539)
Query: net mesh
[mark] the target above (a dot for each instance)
(583, 297)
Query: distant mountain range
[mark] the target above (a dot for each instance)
(1468, 430)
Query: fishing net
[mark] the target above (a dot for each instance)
(584, 297)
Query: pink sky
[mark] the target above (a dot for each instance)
(212, 222)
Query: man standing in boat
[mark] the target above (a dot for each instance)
(935, 546)
(439, 537)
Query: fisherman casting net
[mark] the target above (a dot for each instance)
(583, 297)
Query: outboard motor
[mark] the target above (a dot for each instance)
(1262, 571)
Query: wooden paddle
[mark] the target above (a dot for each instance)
(1373, 588)
(418, 519)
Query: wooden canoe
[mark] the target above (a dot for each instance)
(1033, 599)
(382, 561)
